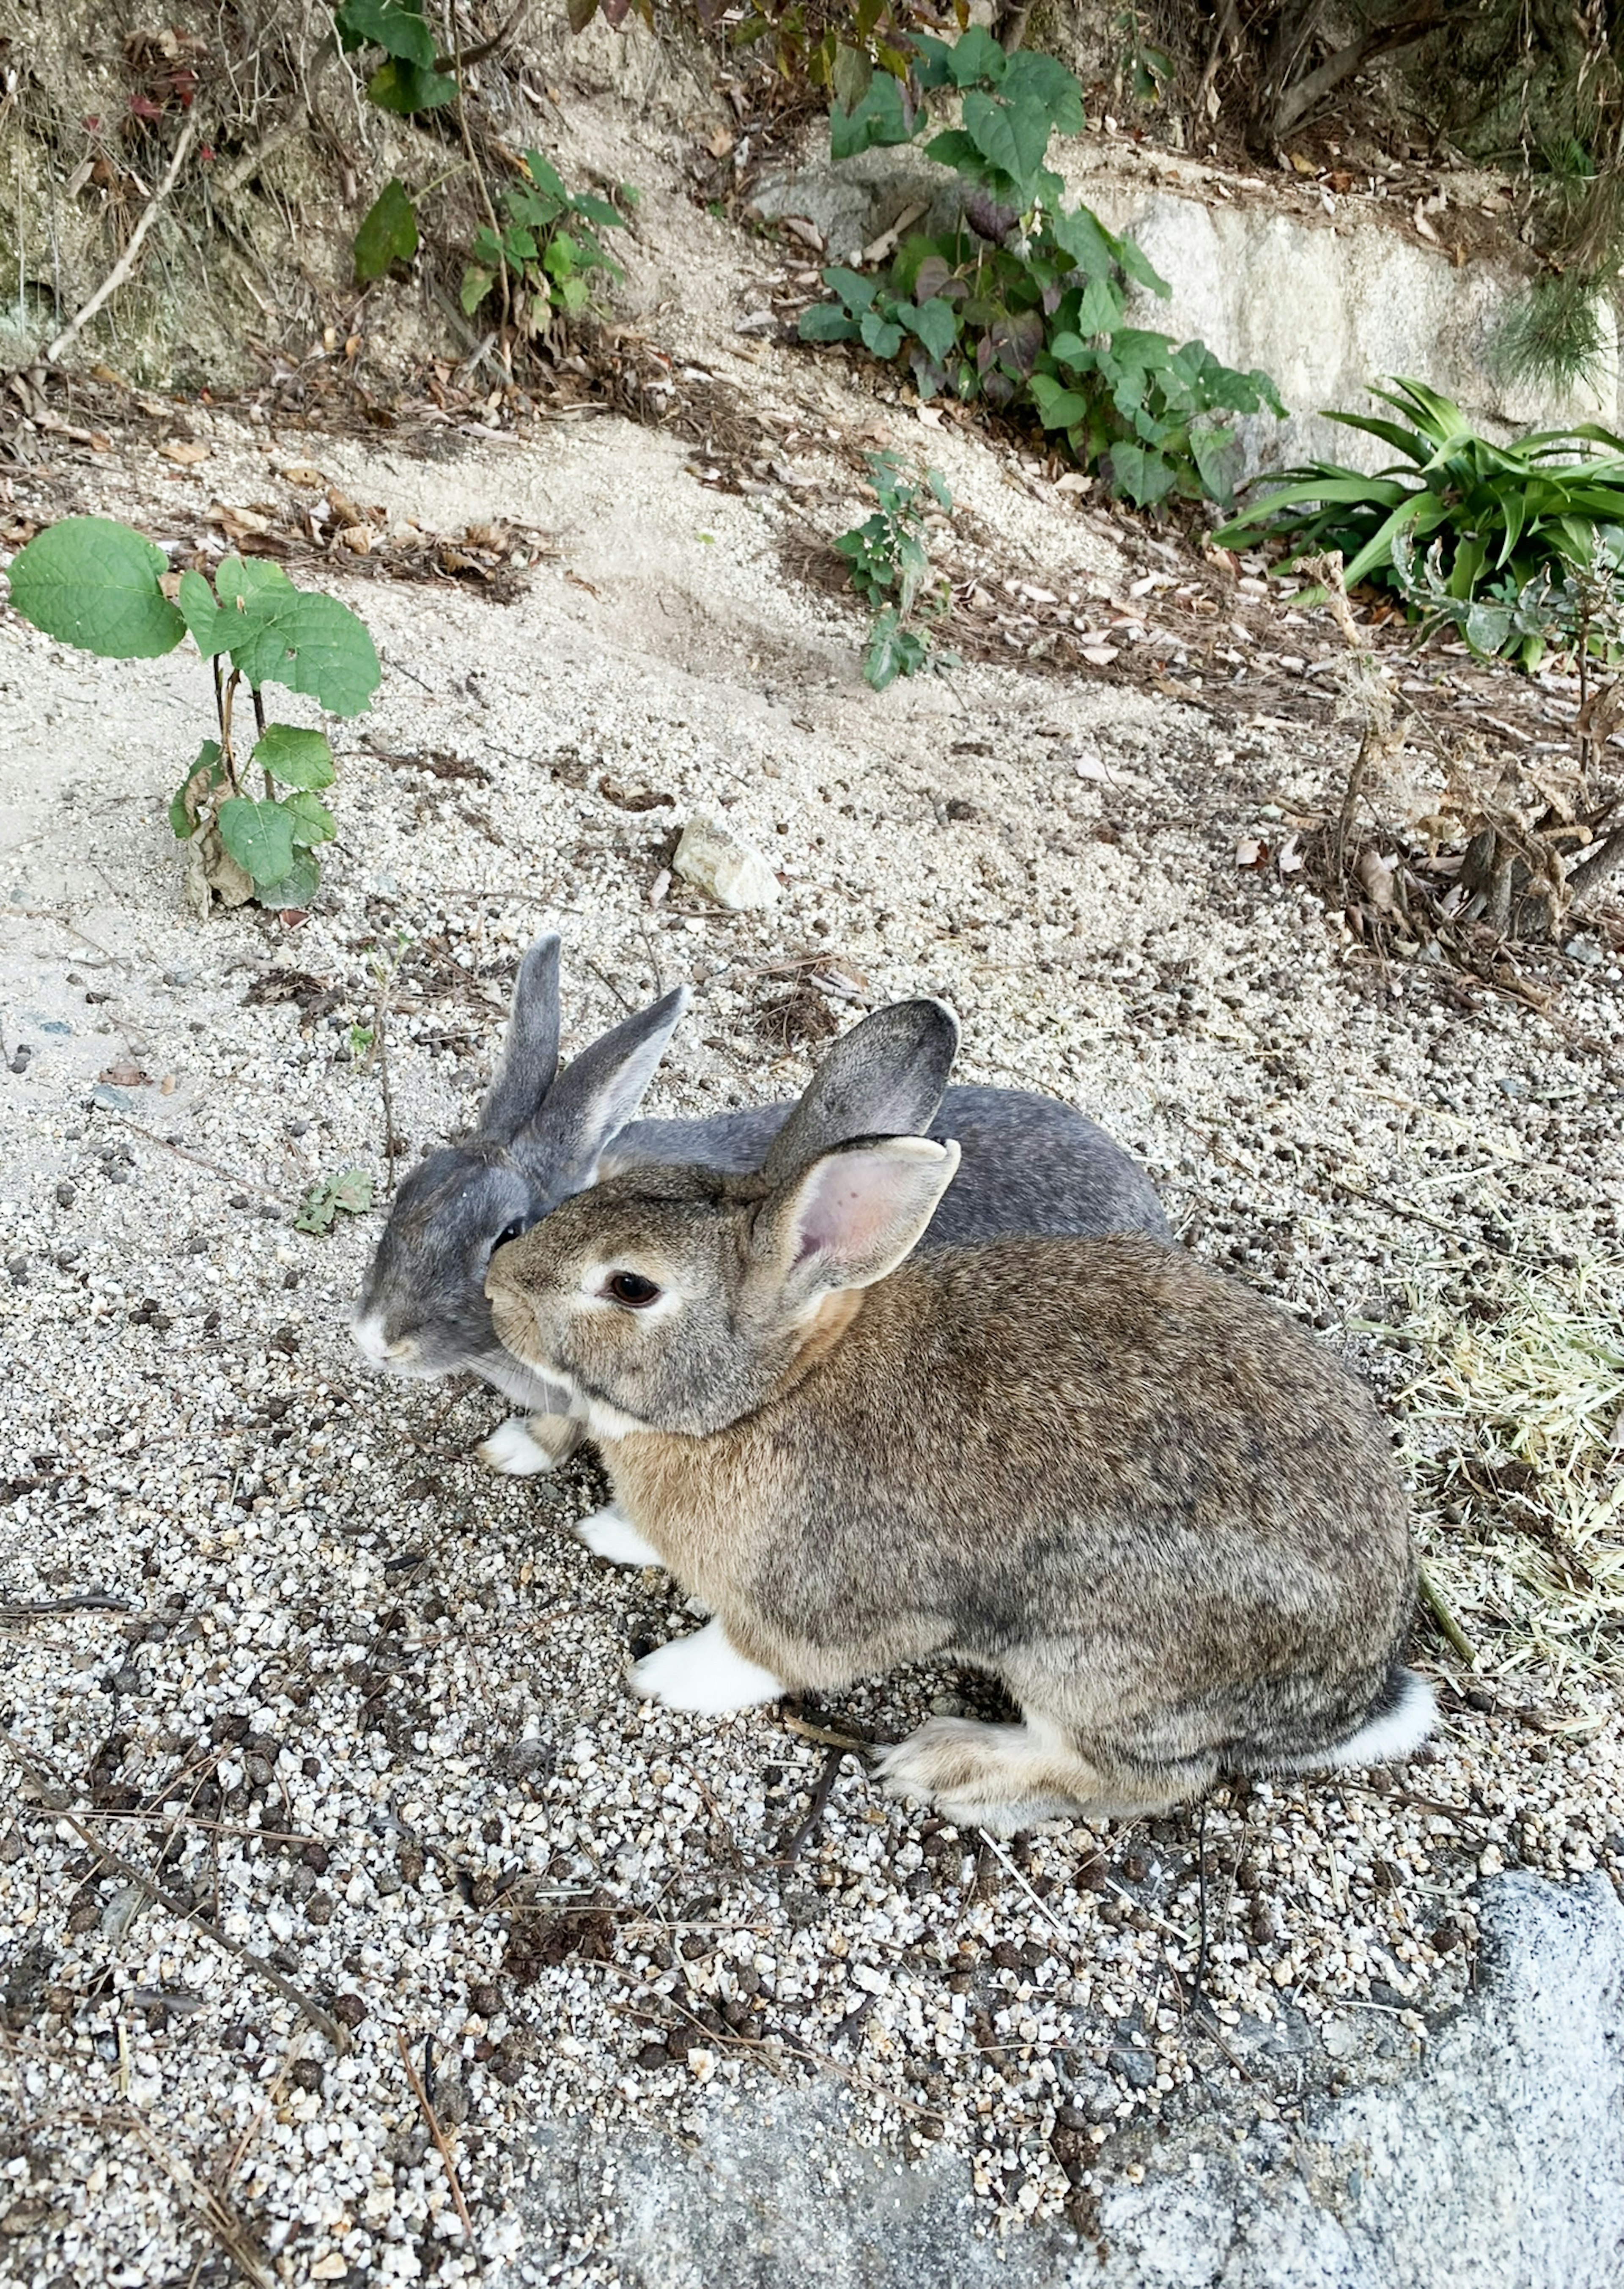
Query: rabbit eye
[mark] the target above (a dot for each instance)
(632, 1288)
(514, 1231)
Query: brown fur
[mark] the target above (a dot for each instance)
(1153, 1505)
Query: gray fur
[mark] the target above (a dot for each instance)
(1030, 1162)
(1150, 1502)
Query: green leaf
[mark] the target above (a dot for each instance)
(879, 335)
(404, 88)
(297, 887)
(977, 56)
(294, 757)
(400, 31)
(934, 322)
(243, 580)
(546, 177)
(476, 284)
(313, 822)
(258, 835)
(1012, 139)
(388, 233)
(854, 291)
(826, 322)
(1057, 408)
(211, 628)
(1215, 451)
(1486, 627)
(92, 582)
(1144, 476)
(1040, 82)
(348, 1193)
(314, 644)
(200, 782)
(881, 117)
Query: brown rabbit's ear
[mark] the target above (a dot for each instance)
(851, 1217)
(885, 1078)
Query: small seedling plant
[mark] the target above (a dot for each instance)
(549, 243)
(543, 254)
(890, 569)
(251, 821)
(1021, 305)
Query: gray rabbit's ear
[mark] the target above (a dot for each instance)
(529, 1055)
(851, 1217)
(595, 1096)
(883, 1079)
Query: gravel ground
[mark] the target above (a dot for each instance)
(272, 1633)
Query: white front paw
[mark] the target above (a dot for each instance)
(513, 1449)
(705, 1673)
(607, 1535)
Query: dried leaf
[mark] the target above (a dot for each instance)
(1251, 852)
(187, 455)
(348, 1193)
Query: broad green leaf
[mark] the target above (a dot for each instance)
(294, 757)
(313, 822)
(1057, 408)
(258, 835)
(1144, 476)
(977, 56)
(826, 322)
(881, 117)
(404, 88)
(879, 335)
(1216, 451)
(400, 31)
(200, 782)
(1009, 139)
(1100, 309)
(934, 322)
(241, 580)
(388, 233)
(1090, 245)
(312, 644)
(854, 291)
(297, 887)
(92, 582)
(211, 629)
(1040, 82)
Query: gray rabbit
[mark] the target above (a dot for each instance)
(1030, 1164)
(1159, 1512)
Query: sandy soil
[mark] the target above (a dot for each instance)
(271, 1631)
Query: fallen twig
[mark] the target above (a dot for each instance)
(1433, 1599)
(442, 2144)
(127, 260)
(321, 2020)
(826, 1779)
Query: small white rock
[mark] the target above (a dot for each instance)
(713, 859)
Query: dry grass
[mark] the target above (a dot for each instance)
(1515, 1431)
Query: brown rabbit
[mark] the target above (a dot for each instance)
(1148, 1502)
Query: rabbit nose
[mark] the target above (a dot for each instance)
(373, 1341)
